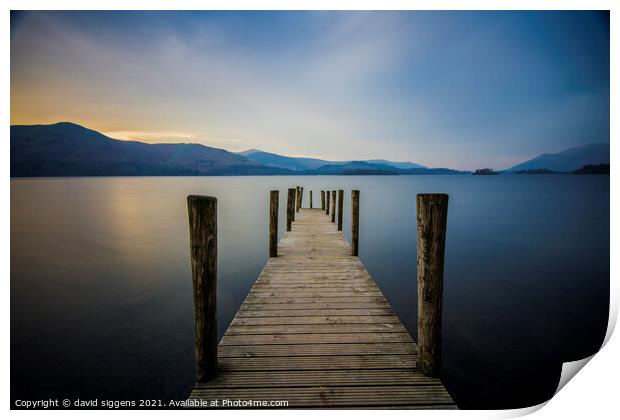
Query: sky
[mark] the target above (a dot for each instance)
(463, 90)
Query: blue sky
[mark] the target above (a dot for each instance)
(452, 89)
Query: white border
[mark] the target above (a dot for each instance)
(593, 394)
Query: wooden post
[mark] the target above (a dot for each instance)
(298, 199)
(355, 222)
(334, 206)
(273, 223)
(290, 209)
(301, 197)
(432, 215)
(310, 198)
(340, 203)
(203, 251)
(322, 200)
(327, 194)
(293, 205)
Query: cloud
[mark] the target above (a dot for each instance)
(438, 89)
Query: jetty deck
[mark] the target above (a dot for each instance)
(315, 331)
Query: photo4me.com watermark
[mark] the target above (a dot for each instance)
(154, 403)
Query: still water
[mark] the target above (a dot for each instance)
(101, 300)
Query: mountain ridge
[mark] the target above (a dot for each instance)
(304, 163)
(567, 160)
(284, 162)
(69, 149)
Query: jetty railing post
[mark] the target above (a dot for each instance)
(432, 215)
(334, 206)
(355, 222)
(293, 203)
(301, 197)
(310, 198)
(340, 204)
(273, 223)
(327, 198)
(297, 199)
(203, 251)
(322, 200)
(290, 209)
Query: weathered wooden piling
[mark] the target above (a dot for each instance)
(340, 205)
(273, 223)
(432, 215)
(355, 222)
(290, 209)
(327, 202)
(297, 199)
(322, 200)
(294, 204)
(334, 206)
(301, 197)
(203, 251)
(310, 198)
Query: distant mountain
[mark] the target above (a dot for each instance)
(284, 162)
(248, 152)
(356, 168)
(305, 164)
(399, 165)
(67, 149)
(569, 160)
(365, 168)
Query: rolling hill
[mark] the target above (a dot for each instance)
(305, 164)
(284, 162)
(67, 149)
(356, 168)
(568, 160)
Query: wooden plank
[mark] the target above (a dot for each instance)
(319, 378)
(310, 274)
(345, 285)
(305, 283)
(316, 268)
(347, 349)
(316, 338)
(307, 320)
(324, 299)
(312, 294)
(297, 363)
(328, 308)
(309, 283)
(334, 396)
(311, 329)
(265, 312)
(301, 280)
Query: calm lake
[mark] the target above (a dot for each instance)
(101, 297)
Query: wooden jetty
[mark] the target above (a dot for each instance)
(314, 330)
